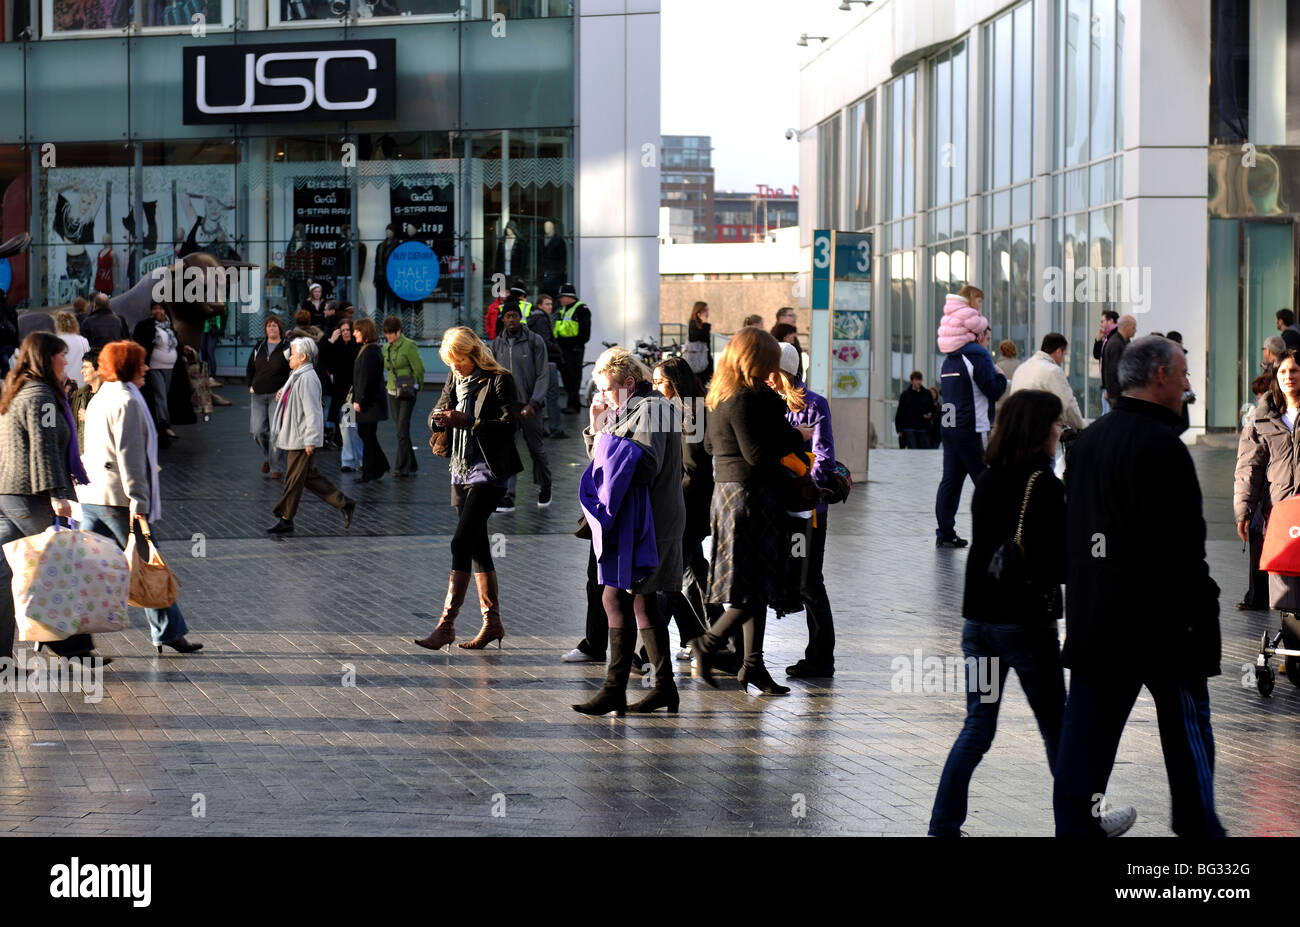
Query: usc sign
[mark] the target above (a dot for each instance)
(315, 81)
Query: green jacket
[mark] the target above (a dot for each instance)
(402, 359)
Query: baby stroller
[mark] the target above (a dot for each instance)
(1281, 643)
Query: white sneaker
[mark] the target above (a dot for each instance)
(683, 655)
(1116, 823)
(578, 656)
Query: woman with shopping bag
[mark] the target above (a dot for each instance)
(122, 493)
(39, 460)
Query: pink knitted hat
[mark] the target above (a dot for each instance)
(961, 324)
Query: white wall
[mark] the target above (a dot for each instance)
(617, 177)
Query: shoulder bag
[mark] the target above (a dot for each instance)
(153, 585)
(1007, 565)
(406, 388)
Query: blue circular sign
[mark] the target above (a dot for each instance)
(6, 274)
(412, 271)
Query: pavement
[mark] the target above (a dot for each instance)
(310, 712)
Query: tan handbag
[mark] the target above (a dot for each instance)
(153, 585)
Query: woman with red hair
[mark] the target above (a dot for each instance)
(121, 455)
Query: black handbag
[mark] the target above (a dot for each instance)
(1007, 565)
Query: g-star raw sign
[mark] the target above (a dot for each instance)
(299, 82)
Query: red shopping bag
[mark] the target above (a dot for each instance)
(1282, 539)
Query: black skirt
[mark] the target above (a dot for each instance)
(752, 543)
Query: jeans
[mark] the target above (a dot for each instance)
(400, 410)
(208, 351)
(470, 545)
(1095, 716)
(531, 428)
(352, 451)
(261, 405)
(114, 521)
(1105, 405)
(963, 454)
(916, 439)
(1034, 652)
(553, 422)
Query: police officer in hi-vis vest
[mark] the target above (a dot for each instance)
(572, 332)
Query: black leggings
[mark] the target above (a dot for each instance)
(620, 605)
(470, 545)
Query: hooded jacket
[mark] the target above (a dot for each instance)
(970, 386)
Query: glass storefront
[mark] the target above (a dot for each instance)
(112, 183)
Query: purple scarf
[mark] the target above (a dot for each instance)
(74, 450)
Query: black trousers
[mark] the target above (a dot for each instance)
(400, 410)
(470, 545)
(597, 640)
(374, 463)
(571, 370)
(820, 651)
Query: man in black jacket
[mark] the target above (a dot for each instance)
(1110, 357)
(1141, 606)
(102, 326)
(915, 411)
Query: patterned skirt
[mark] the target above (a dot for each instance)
(751, 547)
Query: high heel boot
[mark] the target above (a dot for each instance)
(445, 631)
(490, 604)
(754, 672)
(664, 693)
(613, 694)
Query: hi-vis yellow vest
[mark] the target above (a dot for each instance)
(566, 326)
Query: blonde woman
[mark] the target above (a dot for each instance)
(477, 413)
(69, 331)
(634, 442)
(748, 435)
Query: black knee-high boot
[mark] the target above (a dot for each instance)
(664, 693)
(707, 644)
(613, 694)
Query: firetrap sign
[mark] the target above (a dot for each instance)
(412, 271)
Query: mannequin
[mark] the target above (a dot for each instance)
(74, 222)
(511, 253)
(384, 296)
(107, 274)
(552, 259)
(299, 264)
(134, 252)
(343, 263)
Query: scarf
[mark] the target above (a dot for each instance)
(155, 496)
(74, 449)
(640, 391)
(467, 389)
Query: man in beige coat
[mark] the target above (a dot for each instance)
(1044, 371)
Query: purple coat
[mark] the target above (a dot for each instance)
(622, 524)
(817, 413)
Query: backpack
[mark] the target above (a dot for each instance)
(696, 355)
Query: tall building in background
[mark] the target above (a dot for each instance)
(1066, 156)
(740, 217)
(686, 179)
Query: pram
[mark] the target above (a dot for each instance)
(1284, 643)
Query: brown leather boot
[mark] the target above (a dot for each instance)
(490, 604)
(445, 631)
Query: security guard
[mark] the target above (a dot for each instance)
(572, 332)
(519, 296)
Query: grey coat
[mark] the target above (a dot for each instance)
(303, 422)
(34, 440)
(1268, 460)
(526, 359)
(655, 424)
(116, 455)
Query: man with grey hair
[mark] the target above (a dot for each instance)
(299, 427)
(1141, 608)
(1110, 355)
(1274, 348)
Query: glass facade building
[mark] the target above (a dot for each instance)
(104, 164)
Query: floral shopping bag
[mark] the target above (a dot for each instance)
(67, 582)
